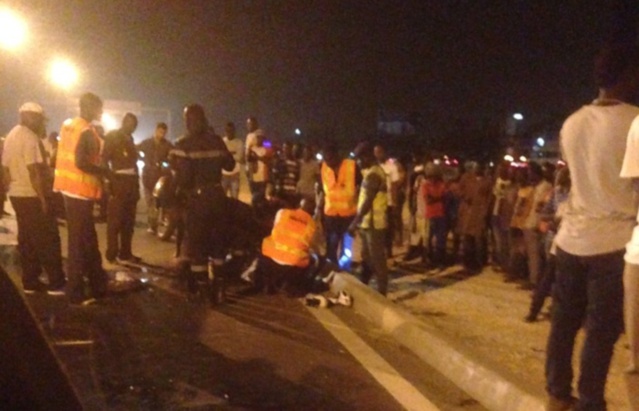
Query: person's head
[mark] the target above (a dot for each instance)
(252, 124)
(32, 117)
(617, 71)
(53, 138)
(380, 153)
(504, 170)
(160, 131)
(330, 154)
(287, 150)
(307, 153)
(308, 204)
(195, 119)
(365, 155)
(229, 130)
(548, 171)
(129, 123)
(535, 173)
(90, 107)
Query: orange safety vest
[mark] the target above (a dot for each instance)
(339, 193)
(291, 238)
(68, 177)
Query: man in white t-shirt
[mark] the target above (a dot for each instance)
(596, 226)
(24, 172)
(393, 180)
(231, 179)
(630, 170)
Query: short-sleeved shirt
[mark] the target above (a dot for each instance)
(392, 176)
(236, 147)
(21, 149)
(601, 209)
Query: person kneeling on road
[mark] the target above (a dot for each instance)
(285, 261)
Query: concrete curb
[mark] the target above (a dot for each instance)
(486, 386)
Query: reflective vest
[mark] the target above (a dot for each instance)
(69, 178)
(376, 217)
(339, 193)
(290, 239)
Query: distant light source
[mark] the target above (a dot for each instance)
(63, 74)
(109, 122)
(319, 157)
(13, 30)
(351, 154)
(541, 142)
(523, 159)
(509, 158)
(518, 116)
(298, 132)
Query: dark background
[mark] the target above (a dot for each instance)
(326, 67)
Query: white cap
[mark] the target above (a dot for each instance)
(31, 107)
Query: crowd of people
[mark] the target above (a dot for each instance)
(559, 229)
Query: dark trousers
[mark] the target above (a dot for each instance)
(121, 216)
(295, 281)
(374, 258)
(390, 230)
(84, 254)
(258, 193)
(205, 227)
(38, 243)
(335, 228)
(543, 287)
(474, 253)
(589, 291)
(437, 235)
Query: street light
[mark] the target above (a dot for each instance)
(63, 74)
(298, 132)
(13, 30)
(518, 116)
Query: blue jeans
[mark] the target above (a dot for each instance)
(589, 291)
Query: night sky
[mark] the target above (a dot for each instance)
(323, 66)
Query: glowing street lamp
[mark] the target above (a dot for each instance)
(63, 74)
(298, 132)
(518, 116)
(13, 30)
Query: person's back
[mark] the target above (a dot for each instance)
(601, 209)
(591, 241)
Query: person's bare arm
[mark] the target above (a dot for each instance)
(6, 177)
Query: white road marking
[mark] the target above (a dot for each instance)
(403, 391)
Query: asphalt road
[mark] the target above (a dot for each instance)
(154, 350)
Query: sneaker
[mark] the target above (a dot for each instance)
(314, 300)
(84, 303)
(56, 292)
(343, 298)
(38, 288)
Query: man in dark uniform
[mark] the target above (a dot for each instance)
(120, 156)
(199, 158)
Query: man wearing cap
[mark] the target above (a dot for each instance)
(38, 238)
(78, 176)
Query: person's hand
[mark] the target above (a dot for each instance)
(352, 229)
